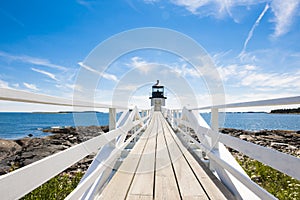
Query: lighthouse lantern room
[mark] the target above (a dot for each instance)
(157, 98)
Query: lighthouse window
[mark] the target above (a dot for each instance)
(158, 90)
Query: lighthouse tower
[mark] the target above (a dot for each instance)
(157, 98)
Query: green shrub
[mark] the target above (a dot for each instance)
(56, 188)
(279, 184)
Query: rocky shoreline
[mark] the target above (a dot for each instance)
(281, 140)
(18, 153)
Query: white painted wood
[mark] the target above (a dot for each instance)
(269, 102)
(29, 97)
(118, 186)
(288, 164)
(219, 172)
(211, 189)
(97, 173)
(242, 178)
(215, 119)
(50, 166)
(88, 182)
(98, 176)
(259, 191)
(269, 158)
(124, 144)
(123, 118)
(195, 121)
(18, 183)
(112, 118)
(127, 125)
(101, 157)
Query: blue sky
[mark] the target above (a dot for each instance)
(254, 44)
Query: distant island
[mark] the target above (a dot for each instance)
(286, 111)
(65, 112)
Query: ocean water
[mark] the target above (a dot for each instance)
(257, 121)
(19, 125)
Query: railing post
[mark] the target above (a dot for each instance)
(214, 138)
(177, 117)
(173, 119)
(215, 119)
(112, 119)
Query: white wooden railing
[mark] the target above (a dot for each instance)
(221, 162)
(107, 148)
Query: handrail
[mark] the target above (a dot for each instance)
(29, 97)
(240, 176)
(221, 157)
(288, 164)
(268, 102)
(90, 180)
(18, 183)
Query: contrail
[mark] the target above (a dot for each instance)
(250, 34)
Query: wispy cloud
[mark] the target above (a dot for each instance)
(250, 34)
(272, 80)
(151, 1)
(141, 65)
(104, 75)
(50, 75)
(186, 71)
(285, 12)
(182, 69)
(11, 17)
(235, 71)
(251, 76)
(31, 86)
(86, 3)
(215, 8)
(192, 5)
(4, 84)
(16, 85)
(31, 60)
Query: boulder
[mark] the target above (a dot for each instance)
(21, 152)
(8, 148)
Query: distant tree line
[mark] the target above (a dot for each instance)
(288, 111)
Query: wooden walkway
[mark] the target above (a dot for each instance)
(160, 167)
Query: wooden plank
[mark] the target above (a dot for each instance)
(171, 172)
(143, 181)
(165, 182)
(211, 189)
(119, 185)
(188, 184)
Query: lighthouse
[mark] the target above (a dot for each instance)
(157, 98)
